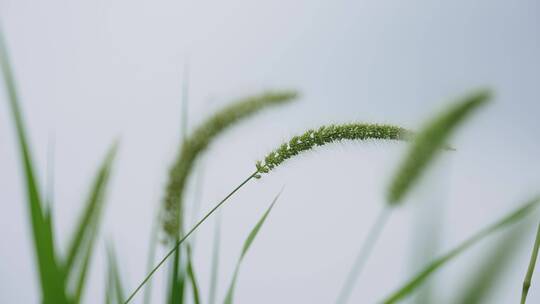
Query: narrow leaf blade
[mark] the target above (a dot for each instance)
(51, 277)
(423, 275)
(247, 244)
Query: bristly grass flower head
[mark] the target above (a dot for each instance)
(199, 141)
(328, 134)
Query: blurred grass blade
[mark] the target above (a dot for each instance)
(116, 282)
(81, 280)
(51, 277)
(83, 239)
(192, 278)
(247, 244)
(361, 258)
(429, 142)
(147, 296)
(421, 277)
(482, 280)
(89, 218)
(215, 261)
(530, 269)
(177, 279)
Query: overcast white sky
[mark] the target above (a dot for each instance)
(90, 72)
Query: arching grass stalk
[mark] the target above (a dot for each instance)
(530, 269)
(298, 144)
(199, 140)
(192, 146)
(427, 144)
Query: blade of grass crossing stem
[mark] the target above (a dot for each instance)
(177, 279)
(530, 269)
(51, 277)
(178, 268)
(192, 278)
(247, 244)
(430, 141)
(177, 245)
(90, 217)
(215, 261)
(482, 280)
(423, 275)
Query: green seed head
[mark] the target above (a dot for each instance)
(328, 134)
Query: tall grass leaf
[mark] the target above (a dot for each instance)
(215, 261)
(178, 273)
(430, 141)
(530, 269)
(118, 293)
(152, 246)
(192, 278)
(51, 277)
(177, 279)
(423, 275)
(83, 271)
(247, 244)
(482, 279)
(89, 219)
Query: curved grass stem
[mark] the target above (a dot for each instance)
(180, 241)
(530, 269)
(365, 251)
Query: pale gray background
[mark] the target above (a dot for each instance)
(93, 71)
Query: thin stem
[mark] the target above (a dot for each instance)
(530, 270)
(177, 245)
(363, 255)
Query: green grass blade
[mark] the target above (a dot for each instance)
(51, 277)
(192, 278)
(482, 280)
(215, 261)
(247, 244)
(118, 292)
(89, 218)
(152, 246)
(109, 287)
(423, 275)
(177, 279)
(530, 269)
(429, 142)
(81, 281)
(363, 254)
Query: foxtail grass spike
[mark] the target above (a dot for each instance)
(200, 139)
(430, 141)
(328, 134)
(322, 136)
